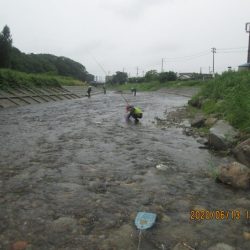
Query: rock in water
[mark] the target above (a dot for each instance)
(221, 246)
(242, 152)
(222, 135)
(162, 167)
(198, 121)
(235, 174)
(210, 121)
(19, 245)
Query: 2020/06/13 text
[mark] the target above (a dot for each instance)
(218, 215)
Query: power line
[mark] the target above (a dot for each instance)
(202, 53)
(235, 48)
(227, 52)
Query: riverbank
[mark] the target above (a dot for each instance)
(156, 85)
(227, 97)
(14, 79)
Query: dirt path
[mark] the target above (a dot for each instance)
(74, 175)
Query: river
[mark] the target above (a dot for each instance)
(74, 174)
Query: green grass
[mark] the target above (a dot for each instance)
(156, 85)
(213, 170)
(228, 96)
(12, 78)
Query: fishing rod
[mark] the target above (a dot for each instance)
(125, 99)
(101, 67)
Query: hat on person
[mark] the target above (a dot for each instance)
(129, 107)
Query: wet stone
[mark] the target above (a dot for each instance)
(181, 246)
(146, 201)
(181, 205)
(184, 217)
(97, 186)
(243, 202)
(198, 121)
(199, 208)
(246, 235)
(137, 178)
(19, 245)
(166, 218)
(63, 224)
(123, 238)
(221, 246)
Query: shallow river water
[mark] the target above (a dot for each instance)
(74, 174)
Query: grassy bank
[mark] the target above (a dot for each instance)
(11, 78)
(155, 85)
(228, 96)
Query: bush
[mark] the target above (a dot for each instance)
(229, 96)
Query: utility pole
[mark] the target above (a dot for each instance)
(248, 31)
(137, 71)
(162, 61)
(213, 51)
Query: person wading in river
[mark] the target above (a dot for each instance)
(135, 112)
(89, 91)
(104, 90)
(133, 90)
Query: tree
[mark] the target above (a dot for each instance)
(136, 79)
(5, 47)
(151, 75)
(120, 77)
(172, 76)
(167, 76)
(90, 77)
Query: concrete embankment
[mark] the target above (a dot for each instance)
(19, 96)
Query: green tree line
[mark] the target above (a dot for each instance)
(152, 75)
(13, 58)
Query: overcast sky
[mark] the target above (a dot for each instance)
(119, 35)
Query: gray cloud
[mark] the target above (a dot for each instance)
(130, 33)
(131, 8)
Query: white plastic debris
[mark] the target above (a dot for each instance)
(162, 167)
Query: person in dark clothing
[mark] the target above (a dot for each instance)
(104, 90)
(133, 90)
(89, 91)
(135, 112)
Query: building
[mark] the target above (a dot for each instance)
(245, 66)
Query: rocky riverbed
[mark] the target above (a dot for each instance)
(74, 174)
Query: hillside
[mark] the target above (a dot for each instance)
(47, 63)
